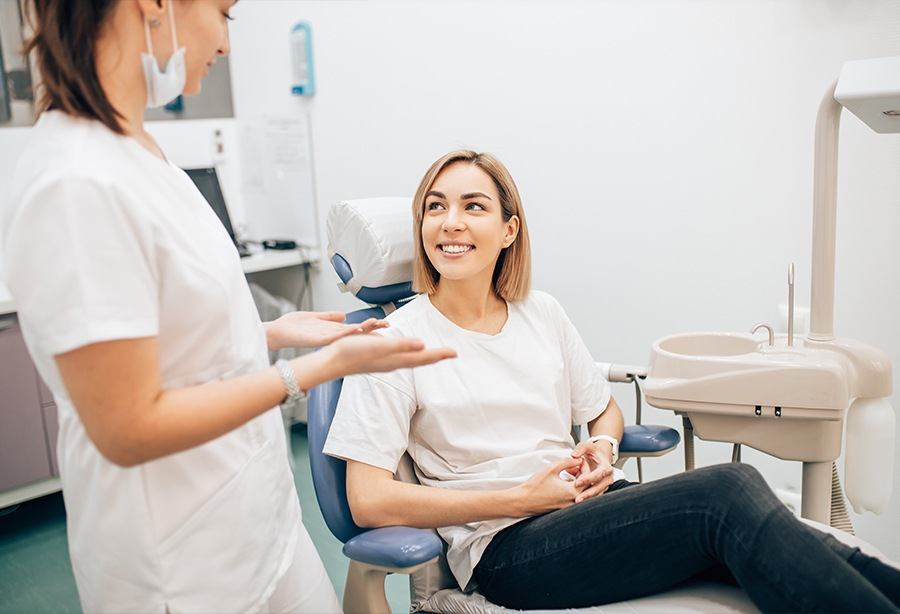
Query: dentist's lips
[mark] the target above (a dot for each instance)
(455, 250)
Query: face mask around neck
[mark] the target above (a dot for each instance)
(163, 86)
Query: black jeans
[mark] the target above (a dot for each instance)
(636, 540)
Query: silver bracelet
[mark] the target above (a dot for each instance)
(289, 380)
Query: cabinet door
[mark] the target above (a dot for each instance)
(51, 424)
(23, 448)
(44, 392)
(51, 421)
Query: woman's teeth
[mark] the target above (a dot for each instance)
(456, 249)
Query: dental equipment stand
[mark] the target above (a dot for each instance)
(791, 398)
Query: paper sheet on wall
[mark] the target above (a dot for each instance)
(278, 179)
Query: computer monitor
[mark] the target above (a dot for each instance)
(207, 181)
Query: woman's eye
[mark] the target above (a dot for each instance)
(434, 206)
(478, 207)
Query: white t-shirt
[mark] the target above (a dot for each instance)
(490, 419)
(102, 241)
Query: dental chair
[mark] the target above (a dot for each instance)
(371, 250)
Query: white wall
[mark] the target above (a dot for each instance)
(663, 149)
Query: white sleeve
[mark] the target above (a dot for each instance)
(589, 390)
(80, 263)
(371, 424)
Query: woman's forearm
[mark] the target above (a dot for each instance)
(377, 500)
(610, 422)
(395, 503)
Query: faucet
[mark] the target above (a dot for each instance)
(791, 305)
(768, 328)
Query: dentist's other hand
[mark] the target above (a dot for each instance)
(313, 329)
(374, 353)
(595, 471)
(546, 491)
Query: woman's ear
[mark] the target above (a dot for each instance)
(512, 231)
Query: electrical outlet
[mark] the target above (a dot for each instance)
(790, 498)
(801, 319)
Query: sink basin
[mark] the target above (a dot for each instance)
(737, 371)
(788, 401)
(709, 344)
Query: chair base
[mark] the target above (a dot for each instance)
(364, 591)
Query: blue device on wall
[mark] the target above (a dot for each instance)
(303, 76)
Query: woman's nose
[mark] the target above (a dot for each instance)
(452, 221)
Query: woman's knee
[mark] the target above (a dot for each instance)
(738, 481)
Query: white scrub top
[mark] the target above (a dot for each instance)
(102, 240)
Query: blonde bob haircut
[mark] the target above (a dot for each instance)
(512, 273)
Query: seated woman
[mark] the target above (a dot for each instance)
(490, 437)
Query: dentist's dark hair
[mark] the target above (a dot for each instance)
(64, 43)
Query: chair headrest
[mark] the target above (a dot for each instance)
(370, 246)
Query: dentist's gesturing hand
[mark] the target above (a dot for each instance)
(374, 353)
(313, 329)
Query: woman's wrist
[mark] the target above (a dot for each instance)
(514, 501)
(605, 448)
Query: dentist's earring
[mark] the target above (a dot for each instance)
(154, 23)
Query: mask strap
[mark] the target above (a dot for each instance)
(171, 24)
(147, 36)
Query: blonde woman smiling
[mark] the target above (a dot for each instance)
(490, 437)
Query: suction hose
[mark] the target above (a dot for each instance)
(840, 519)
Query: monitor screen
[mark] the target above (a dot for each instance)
(207, 182)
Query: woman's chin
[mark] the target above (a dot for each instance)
(453, 273)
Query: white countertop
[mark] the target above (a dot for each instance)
(266, 260)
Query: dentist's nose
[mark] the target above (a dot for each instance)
(225, 47)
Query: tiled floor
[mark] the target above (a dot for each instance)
(36, 576)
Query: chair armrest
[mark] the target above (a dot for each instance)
(648, 439)
(395, 547)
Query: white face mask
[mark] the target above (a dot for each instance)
(163, 86)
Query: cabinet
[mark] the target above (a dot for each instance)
(27, 415)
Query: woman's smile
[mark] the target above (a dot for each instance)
(455, 249)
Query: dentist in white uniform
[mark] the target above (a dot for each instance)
(135, 309)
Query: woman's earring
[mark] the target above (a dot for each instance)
(154, 23)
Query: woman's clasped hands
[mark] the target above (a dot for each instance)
(595, 472)
(585, 474)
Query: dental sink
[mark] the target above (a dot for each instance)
(709, 344)
(788, 401)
